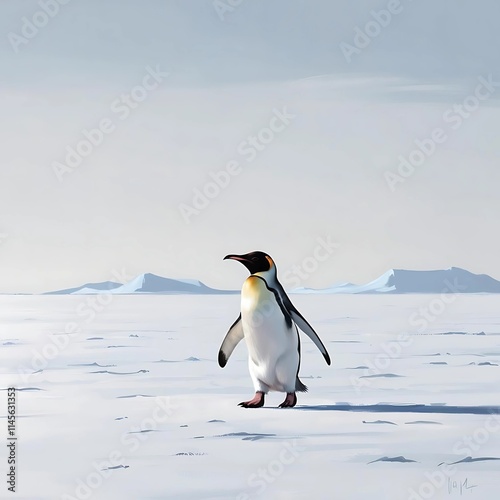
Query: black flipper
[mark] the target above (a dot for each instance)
(302, 323)
(231, 340)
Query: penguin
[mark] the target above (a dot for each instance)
(270, 324)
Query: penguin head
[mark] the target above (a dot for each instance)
(255, 262)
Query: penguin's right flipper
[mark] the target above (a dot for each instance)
(231, 340)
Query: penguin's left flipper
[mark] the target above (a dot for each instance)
(302, 323)
(231, 340)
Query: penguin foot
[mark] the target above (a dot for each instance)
(290, 400)
(256, 402)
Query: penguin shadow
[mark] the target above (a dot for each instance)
(406, 408)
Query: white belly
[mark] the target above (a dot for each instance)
(272, 345)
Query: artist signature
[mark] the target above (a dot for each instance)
(461, 487)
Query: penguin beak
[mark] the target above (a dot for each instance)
(239, 258)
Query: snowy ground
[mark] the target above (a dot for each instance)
(132, 404)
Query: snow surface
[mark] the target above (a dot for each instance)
(133, 405)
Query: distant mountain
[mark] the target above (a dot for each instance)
(394, 281)
(88, 288)
(151, 283)
(144, 284)
(453, 280)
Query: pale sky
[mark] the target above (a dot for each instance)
(320, 174)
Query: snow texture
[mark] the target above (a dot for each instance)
(106, 424)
